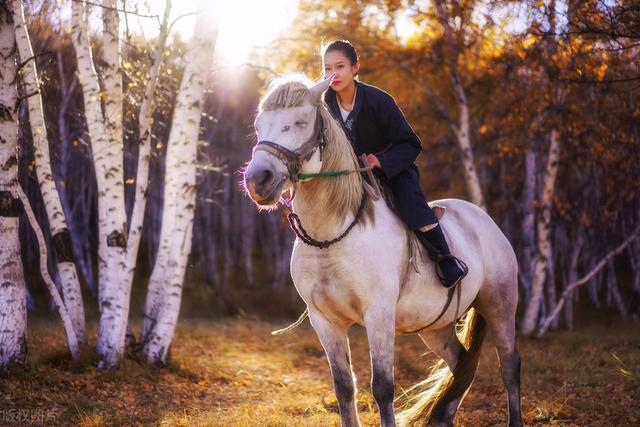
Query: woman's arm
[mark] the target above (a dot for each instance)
(404, 143)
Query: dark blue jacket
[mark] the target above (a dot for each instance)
(377, 126)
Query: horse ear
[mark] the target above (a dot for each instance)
(315, 93)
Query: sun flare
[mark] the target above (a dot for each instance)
(243, 25)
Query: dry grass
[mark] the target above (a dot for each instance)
(234, 373)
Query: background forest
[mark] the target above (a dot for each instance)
(514, 76)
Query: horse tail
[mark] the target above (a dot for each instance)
(442, 386)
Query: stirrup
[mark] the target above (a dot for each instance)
(461, 264)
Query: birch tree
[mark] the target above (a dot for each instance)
(55, 214)
(462, 130)
(13, 309)
(108, 160)
(118, 243)
(165, 285)
(144, 150)
(529, 321)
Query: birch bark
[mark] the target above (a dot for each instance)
(571, 275)
(107, 156)
(165, 285)
(530, 319)
(13, 296)
(79, 240)
(144, 153)
(528, 221)
(463, 128)
(60, 234)
(72, 340)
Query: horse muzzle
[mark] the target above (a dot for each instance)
(263, 185)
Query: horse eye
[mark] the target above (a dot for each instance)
(301, 123)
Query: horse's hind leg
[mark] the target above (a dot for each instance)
(446, 345)
(336, 345)
(498, 307)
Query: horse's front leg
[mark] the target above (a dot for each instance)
(380, 324)
(336, 344)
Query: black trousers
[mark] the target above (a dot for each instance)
(409, 200)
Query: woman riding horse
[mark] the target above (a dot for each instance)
(375, 126)
(388, 289)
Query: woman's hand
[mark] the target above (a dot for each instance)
(373, 161)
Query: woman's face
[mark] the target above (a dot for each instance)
(335, 61)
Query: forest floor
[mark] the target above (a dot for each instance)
(232, 372)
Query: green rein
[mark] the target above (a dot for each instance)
(333, 173)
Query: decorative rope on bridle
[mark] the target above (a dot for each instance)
(296, 226)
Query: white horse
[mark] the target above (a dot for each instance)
(354, 263)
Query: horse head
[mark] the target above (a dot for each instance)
(290, 133)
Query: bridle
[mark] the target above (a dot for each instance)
(293, 159)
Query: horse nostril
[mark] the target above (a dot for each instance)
(265, 178)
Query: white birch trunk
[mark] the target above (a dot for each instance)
(107, 157)
(463, 136)
(528, 220)
(88, 78)
(571, 275)
(144, 153)
(165, 285)
(550, 285)
(13, 295)
(462, 130)
(531, 315)
(72, 340)
(57, 221)
(112, 78)
(615, 292)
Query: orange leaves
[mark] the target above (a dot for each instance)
(601, 70)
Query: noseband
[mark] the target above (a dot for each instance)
(293, 159)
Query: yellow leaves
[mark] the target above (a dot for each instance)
(529, 41)
(522, 54)
(601, 71)
(483, 129)
(130, 181)
(126, 65)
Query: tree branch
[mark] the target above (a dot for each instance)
(72, 339)
(569, 289)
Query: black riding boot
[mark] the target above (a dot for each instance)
(448, 267)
